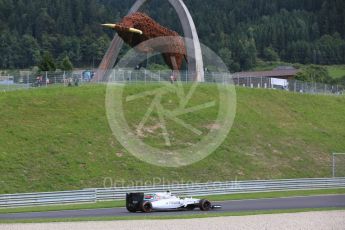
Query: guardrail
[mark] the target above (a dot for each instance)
(196, 189)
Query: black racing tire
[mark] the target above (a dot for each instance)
(204, 205)
(146, 206)
(131, 209)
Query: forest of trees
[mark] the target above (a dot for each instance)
(240, 31)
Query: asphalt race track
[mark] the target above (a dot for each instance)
(329, 201)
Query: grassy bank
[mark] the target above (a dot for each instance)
(59, 139)
(334, 71)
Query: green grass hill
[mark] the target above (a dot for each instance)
(59, 138)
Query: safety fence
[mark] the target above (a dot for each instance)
(192, 189)
(148, 77)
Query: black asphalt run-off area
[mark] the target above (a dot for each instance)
(329, 201)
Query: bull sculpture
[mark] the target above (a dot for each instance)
(137, 28)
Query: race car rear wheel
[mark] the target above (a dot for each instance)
(130, 209)
(204, 205)
(146, 206)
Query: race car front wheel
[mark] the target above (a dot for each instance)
(146, 206)
(204, 205)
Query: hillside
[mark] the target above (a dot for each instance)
(59, 139)
(240, 31)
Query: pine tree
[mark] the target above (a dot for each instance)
(66, 64)
(269, 54)
(47, 63)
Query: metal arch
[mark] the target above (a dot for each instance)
(194, 54)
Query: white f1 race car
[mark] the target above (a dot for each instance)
(140, 202)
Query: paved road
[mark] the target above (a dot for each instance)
(328, 201)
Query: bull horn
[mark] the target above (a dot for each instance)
(111, 26)
(132, 30)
